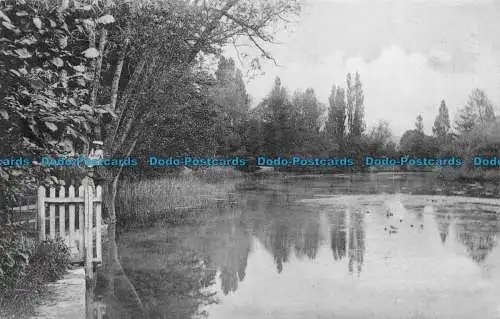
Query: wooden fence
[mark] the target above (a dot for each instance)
(73, 214)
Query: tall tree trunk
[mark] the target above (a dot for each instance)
(97, 78)
(115, 86)
(98, 66)
(112, 190)
(118, 73)
(92, 42)
(121, 108)
(122, 133)
(112, 186)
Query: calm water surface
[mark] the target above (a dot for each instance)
(377, 246)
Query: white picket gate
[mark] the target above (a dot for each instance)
(78, 217)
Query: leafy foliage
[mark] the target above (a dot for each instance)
(25, 267)
(336, 123)
(44, 92)
(380, 140)
(279, 122)
(477, 112)
(441, 127)
(15, 253)
(45, 74)
(53, 256)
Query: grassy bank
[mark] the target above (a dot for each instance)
(169, 198)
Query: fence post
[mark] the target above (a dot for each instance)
(62, 214)
(90, 212)
(71, 208)
(98, 222)
(41, 213)
(81, 221)
(87, 204)
(52, 212)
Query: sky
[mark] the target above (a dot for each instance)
(410, 54)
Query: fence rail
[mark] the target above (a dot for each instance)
(24, 213)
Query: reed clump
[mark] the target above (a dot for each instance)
(170, 198)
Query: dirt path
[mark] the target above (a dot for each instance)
(66, 298)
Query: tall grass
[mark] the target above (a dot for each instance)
(170, 197)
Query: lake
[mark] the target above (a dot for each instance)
(361, 246)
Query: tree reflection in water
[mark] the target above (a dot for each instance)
(151, 279)
(443, 219)
(292, 227)
(172, 271)
(347, 235)
(356, 243)
(339, 235)
(478, 236)
(113, 287)
(475, 228)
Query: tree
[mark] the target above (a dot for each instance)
(191, 126)
(419, 141)
(416, 143)
(229, 91)
(308, 121)
(478, 131)
(229, 95)
(162, 42)
(355, 107)
(350, 106)
(253, 138)
(336, 123)
(358, 125)
(309, 108)
(279, 122)
(379, 139)
(441, 126)
(408, 142)
(330, 121)
(419, 125)
(477, 112)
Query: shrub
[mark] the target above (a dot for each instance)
(25, 267)
(53, 256)
(15, 252)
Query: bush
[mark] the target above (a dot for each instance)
(53, 256)
(15, 252)
(25, 267)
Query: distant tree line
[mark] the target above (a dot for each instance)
(474, 131)
(285, 124)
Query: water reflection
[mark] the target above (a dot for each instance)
(356, 243)
(219, 262)
(443, 219)
(479, 238)
(112, 294)
(476, 228)
(339, 235)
